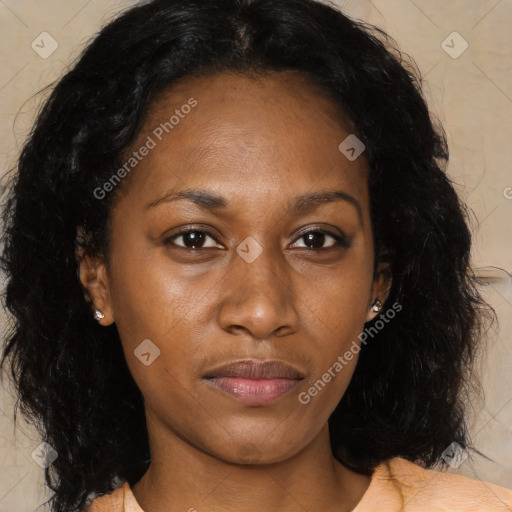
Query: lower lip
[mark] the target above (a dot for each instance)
(254, 391)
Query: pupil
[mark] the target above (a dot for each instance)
(193, 237)
(318, 237)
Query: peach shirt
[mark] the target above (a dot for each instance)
(397, 485)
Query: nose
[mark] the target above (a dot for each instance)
(259, 298)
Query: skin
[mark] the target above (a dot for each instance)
(259, 144)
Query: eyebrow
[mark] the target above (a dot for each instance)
(200, 197)
(312, 200)
(301, 204)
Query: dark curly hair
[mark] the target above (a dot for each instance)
(414, 379)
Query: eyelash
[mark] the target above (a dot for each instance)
(340, 240)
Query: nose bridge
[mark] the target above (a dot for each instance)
(263, 275)
(261, 271)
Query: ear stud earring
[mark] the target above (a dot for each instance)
(98, 315)
(376, 306)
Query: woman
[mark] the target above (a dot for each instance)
(239, 273)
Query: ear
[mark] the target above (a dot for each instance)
(92, 274)
(380, 289)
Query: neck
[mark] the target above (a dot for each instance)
(182, 477)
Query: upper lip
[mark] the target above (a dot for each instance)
(256, 369)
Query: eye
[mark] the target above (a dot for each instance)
(192, 239)
(315, 240)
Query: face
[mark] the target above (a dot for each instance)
(241, 234)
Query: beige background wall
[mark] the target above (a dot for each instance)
(471, 93)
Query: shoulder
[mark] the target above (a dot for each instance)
(112, 502)
(408, 487)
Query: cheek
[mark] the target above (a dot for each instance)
(334, 315)
(334, 354)
(336, 300)
(321, 393)
(161, 314)
(150, 300)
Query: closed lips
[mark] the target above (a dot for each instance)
(253, 369)
(255, 382)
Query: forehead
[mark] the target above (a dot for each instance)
(238, 90)
(277, 129)
(257, 102)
